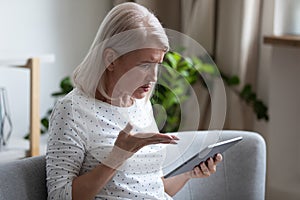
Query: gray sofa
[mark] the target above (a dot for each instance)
(241, 175)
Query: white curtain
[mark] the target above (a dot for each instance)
(197, 21)
(237, 54)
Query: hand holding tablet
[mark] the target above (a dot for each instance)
(209, 152)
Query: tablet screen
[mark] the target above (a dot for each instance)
(203, 155)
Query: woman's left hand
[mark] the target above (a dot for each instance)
(205, 169)
(175, 183)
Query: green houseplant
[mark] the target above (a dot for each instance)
(176, 66)
(190, 69)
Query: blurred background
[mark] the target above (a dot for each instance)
(234, 33)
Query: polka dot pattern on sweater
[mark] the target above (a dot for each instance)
(82, 133)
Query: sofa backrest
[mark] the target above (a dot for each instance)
(241, 175)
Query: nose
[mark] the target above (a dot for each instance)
(152, 74)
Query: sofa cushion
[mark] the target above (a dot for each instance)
(23, 179)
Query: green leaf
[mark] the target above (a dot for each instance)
(252, 97)
(196, 61)
(234, 80)
(247, 90)
(185, 73)
(56, 94)
(49, 111)
(45, 122)
(192, 79)
(261, 110)
(208, 68)
(172, 58)
(185, 64)
(178, 91)
(26, 137)
(165, 64)
(66, 85)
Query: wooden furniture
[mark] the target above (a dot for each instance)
(286, 40)
(33, 65)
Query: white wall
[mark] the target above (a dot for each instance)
(287, 17)
(63, 28)
(277, 85)
(284, 135)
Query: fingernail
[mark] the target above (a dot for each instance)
(128, 128)
(175, 138)
(173, 142)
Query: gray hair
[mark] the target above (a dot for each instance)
(127, 27)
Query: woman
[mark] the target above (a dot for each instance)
(104, 143)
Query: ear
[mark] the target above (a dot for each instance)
(109, 56)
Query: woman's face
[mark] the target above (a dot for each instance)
(135, 72)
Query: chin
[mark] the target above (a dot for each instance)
(139, 95)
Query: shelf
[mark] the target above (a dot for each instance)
(283, 40)
(33, 65)
(17, 148)
(7, 59)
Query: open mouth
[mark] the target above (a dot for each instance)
(146, 87)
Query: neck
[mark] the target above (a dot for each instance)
(114, 96)
(120, 100)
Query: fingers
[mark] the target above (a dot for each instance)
(218, 158)
(163, 138)
(207, 168)
(197, 173)
(200, 171)
(156, 138)
(211, 165)
(156, 135)
(133, 142)
(204, 169)
(128, 128)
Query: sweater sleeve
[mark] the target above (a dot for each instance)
(65, 150)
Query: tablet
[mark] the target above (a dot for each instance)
(203, 155)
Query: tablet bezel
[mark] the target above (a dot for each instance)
(203, 155)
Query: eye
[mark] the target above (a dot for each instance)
(147, 66)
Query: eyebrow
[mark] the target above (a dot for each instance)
(150, 62)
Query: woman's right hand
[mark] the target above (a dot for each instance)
(134, 142)
(127, 144)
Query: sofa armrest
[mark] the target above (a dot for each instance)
(24, 179)
(241, 175)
